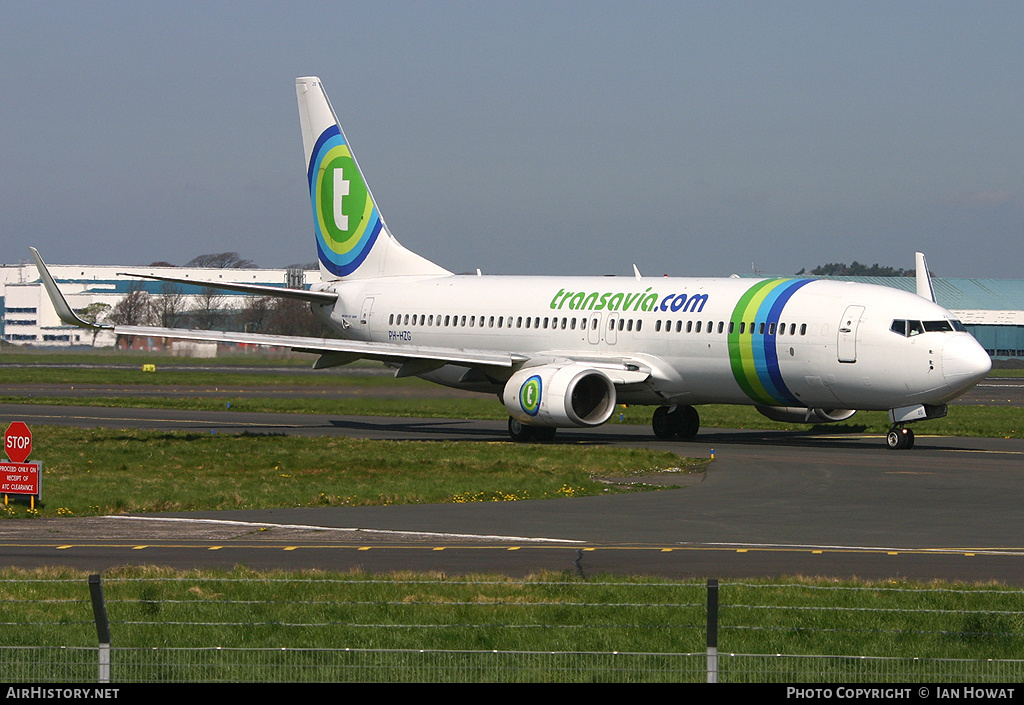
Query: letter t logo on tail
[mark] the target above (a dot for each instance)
(341, 187)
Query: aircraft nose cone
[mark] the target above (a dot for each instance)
(964, 362)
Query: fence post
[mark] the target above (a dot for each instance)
(99, 614)
(712, 630)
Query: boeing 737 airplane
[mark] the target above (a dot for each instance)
(562, 351)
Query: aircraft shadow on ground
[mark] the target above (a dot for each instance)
(441, 429)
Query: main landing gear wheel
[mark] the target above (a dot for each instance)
(900, 438)
(675, 422)
(521, 433)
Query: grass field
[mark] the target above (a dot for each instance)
(242, 608)
(106, 471)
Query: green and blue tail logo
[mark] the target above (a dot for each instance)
(347, 221)
(753, 353)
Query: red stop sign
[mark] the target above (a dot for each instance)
(18, 442)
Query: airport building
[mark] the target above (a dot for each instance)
(991, 309)
(28, 318)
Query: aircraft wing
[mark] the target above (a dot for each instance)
(351, 349)
(414, 358)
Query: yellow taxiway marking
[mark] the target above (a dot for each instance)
(1006, 551)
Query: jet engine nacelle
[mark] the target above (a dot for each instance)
(560, 395)
(798, 414)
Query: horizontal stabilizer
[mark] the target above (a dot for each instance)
(318, 297)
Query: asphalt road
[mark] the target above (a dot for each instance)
(771, 503)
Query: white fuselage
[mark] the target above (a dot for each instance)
(820, 344)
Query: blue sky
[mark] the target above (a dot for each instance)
(689, 138)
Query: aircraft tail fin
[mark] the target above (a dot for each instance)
(352, 240)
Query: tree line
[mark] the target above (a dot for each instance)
(841, 269)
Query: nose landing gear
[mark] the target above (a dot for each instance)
(675, 422)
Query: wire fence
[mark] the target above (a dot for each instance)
(157, 627)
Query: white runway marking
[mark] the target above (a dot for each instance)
(308, 527)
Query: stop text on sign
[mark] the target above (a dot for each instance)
(18, 442)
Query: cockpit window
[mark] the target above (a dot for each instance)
(912, 328)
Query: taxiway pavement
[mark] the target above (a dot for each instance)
(771, 503)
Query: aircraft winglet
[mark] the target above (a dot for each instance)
(60, 304)
(924, 279)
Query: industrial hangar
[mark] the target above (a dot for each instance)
(991, 309)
